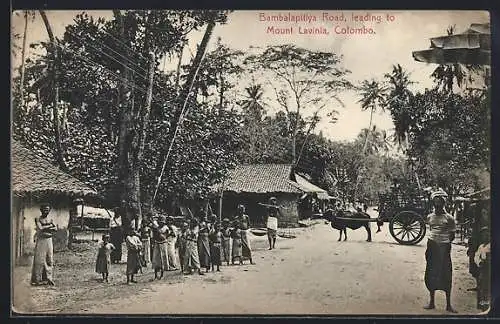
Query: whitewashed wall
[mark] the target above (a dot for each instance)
(60, 217)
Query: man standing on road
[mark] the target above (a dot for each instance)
(272, 221)
(438, 271)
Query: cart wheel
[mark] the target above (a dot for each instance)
(407, 228)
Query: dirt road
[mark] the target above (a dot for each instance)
(311, 274)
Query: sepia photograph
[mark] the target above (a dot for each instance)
(250, 162)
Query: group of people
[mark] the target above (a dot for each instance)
(196, 246)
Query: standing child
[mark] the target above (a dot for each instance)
(171, 245)
(237, 248)
(215, 246)
(103, 262)
(134, 246)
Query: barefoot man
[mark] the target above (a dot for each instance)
(272, 221)
(43, 259)
(244, 224)
(438, 271)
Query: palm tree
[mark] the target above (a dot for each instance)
(399, 101)
(373, 97)
(253, 101)
(378, 140)
(253, 113)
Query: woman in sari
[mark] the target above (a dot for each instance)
(244, 224)
(438, 271)
(43, 259)
(160, 254)
(204, 245)
(191, 257)
(134, 246)
(171, 245)
(181, 244)
(236, 248)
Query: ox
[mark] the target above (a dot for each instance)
(342, 224)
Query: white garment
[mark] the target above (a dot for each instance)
(115, 222)
(482, 252)
(272, 223)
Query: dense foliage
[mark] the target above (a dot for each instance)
(103, 115)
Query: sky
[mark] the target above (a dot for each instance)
(367, 56)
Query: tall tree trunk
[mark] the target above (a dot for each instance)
(55, 105)
(295, 131)
(184, 96)
(196, 63)
(364, 150)
(143, 126)
(132, 136)
(125, 193)
(369, 130)
(23, 59)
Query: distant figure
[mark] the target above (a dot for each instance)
(116, 236)
(272, 221)
(215, 246)
(103, 262)
(160, 253)
(43, 260)
(483, 262)
(171, 245)
(438, 271)
(191, 257)
(134, 246)
(236, 248)
(365, 207)
(244, 224)
(226, 241)
(146, 242)
(181, 244)
(204, 244)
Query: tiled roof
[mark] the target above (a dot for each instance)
(261, 178)
(33, 174)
